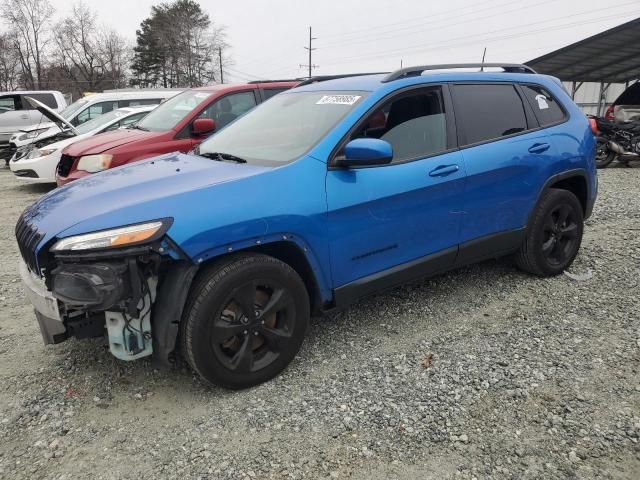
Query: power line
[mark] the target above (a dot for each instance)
(473, 39)
(440, 24)
(310, 65)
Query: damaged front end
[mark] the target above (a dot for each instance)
(108, 282)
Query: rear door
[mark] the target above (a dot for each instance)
(504, 151)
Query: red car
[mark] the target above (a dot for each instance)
(179, 124)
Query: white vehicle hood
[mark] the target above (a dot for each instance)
(61, 122)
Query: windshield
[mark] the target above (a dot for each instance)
(72, 109)
(100, 121)
(283, 128)
(171, 112)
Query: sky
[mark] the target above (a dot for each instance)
(267, 38)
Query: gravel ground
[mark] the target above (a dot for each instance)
(481, 373)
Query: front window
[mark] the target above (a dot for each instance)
(97, 122)
(228, 108)
(284, 128)
(173, 111)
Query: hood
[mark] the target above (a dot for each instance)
(60, 141)
(106, 141)
(156, 188)
(50, 114)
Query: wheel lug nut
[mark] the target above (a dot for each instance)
(255, 333)
(245, 332)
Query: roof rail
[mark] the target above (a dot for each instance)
(416, 71)
(324, 78)
(274, 81)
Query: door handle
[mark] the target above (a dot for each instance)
(24, 116)
(442, 170)
(539, 147)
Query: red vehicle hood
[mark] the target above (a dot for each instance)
(106, 141)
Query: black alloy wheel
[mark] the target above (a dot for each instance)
(244, 321)
(560, 235)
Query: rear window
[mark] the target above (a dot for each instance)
(545, 107)
(138, 102)
(47, 98)
(631, 96)
(488, 112)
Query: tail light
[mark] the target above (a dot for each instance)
(594, 126)
(609, 114)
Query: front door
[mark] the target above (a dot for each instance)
(390, 221)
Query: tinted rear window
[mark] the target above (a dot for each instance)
(488, 112)
(46, 98)
(631, 96)
(545, 107)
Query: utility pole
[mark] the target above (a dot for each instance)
(310, 49)
(220, 60)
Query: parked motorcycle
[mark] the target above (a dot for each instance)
(616, 140)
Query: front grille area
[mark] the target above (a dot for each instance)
(28, 238)
(26, 173)
(64, 167)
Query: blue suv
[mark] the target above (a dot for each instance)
(322, 195)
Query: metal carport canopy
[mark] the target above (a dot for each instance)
(612, 56)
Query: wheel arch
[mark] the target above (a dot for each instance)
(575, 181)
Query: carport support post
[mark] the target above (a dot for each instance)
(602, 97)
(575, 86)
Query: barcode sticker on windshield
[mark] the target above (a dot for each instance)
(338, 100)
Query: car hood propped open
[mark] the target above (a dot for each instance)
(61, 122)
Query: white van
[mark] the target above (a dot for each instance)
(16, 113)
(87, 108)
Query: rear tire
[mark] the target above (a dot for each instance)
(245, 320)
(554, 235)
(604, 156)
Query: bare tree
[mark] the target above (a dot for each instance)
(28, 21)
(94, 57)
(9, 71)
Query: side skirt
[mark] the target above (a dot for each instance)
(490, 246)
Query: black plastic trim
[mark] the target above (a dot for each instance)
(426, 266)
(171, 297)
(577, 172)
(490, 246)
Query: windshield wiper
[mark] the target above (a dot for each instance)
(220, 157)
(138, 127)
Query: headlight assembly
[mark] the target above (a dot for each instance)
(43, 152)
(94, 163)
(115, 237)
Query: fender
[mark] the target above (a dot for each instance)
(262, 241)
(577, 172)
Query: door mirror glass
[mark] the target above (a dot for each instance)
(366, 151)
(202, 126)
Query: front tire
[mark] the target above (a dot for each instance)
(245, 320)
(554, 235)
